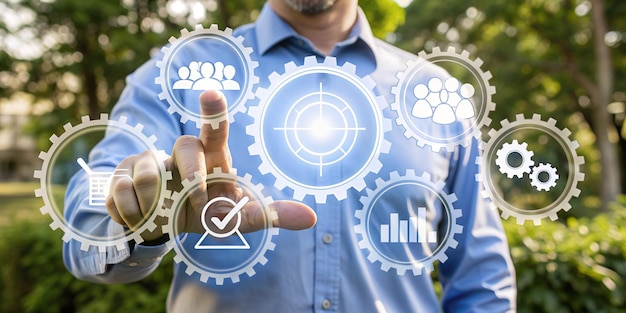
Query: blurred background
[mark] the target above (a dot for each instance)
(563, 59)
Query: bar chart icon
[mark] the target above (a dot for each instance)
(413, 230)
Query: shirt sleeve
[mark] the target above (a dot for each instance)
(479, 275)
(140, 107)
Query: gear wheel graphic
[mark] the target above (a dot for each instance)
(178, 198)
(58, 221)
(347, 72)
(417, 267)
(169, 52)
(547, 184)
(573, 178)
(404, 83)
(503, 159)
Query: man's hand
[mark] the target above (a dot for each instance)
(133, 197)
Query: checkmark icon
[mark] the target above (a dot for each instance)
(221, 224)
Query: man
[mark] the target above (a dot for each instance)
(320, 267)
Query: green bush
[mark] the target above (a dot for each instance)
(34, 279)
(575, 266)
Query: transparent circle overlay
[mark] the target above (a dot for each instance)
(497, 139)
(229, 263)
(50, 205)
(423, 132)
(372, 201)
(309, 112)
(179, 51)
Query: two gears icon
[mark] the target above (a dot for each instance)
(514, 159)
(542, 176)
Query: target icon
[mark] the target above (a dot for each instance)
(321, 128)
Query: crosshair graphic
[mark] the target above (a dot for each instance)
(321, 128)
(318, 129)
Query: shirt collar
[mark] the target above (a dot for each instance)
(271, 30)
(361, 30)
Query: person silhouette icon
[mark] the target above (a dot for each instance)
(207, 82)
(219, 71)
(194, 71)
(229, 74)
(421, 108)
(184, 82)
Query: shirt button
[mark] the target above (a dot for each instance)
(327, 238)
(326, 304)
(133, 264)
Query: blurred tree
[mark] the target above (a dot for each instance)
(77, 54)
(553, 57)
(384, 16)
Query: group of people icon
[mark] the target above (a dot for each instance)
(444, 101)
(205, 76)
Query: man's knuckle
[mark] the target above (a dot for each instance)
(122, 186)
(186, 141)
(145, 179)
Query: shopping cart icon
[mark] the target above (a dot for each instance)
(99, 183)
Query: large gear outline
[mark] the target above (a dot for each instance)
(538, 183)
(503, 161)
(59, 222)
(299, 192)
(568, 146)
(169, 228)
(175, 43)
(440, 254)
(450, 55)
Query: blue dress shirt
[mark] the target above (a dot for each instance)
(322, 269)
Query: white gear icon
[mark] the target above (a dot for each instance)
(415, 266)
(186, 36)
(548, 183)
(329, 66)
(404, 83)
(59, 222)
(503, 159)
(181, 255)
(569, 147)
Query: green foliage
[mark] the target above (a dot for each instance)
(384, 16)
(34, 279)
(578, 266)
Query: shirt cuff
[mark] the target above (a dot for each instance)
(143, 256)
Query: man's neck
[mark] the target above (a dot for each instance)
(324, 29)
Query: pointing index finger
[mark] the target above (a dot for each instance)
(214, 134)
